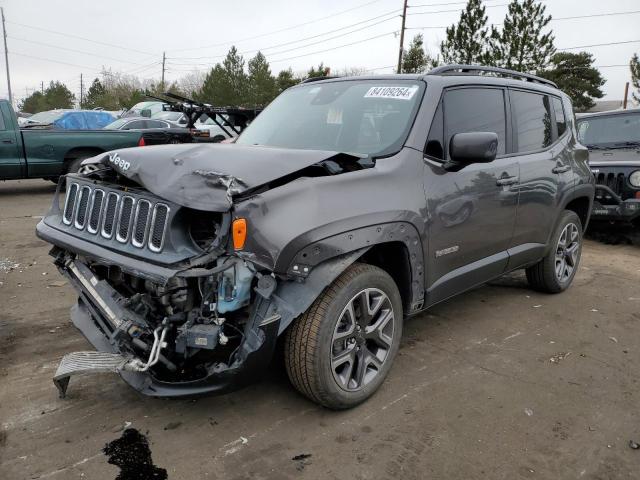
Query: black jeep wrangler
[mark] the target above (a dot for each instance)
(613, 140)
(348, 205)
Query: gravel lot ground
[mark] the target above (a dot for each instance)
(500, 383)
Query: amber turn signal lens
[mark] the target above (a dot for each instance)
(239, 233)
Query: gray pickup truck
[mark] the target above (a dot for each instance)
(385, 196)
(42, 153)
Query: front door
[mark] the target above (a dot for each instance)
(472, 211)
(11, 160)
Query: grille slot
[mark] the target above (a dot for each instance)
(109, 219)
(70, 203)
(83, 204)
(124, 222)
(158, 226)
(95, 211)
(141, 223)
(126, 218)
(615, 181)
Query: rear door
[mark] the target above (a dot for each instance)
(472, 211)
(540, 140)
(12, 163)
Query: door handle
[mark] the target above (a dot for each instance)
(561, 168)
(504, 181)
(7, 141)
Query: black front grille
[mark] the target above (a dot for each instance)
(110, 215)
(615, 181)
(70, 203)
(141, 223)
(83, 203)
(96, 210)
(133, 219)
(160, 214)
(126, 211)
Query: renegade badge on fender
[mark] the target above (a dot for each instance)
(346, 206)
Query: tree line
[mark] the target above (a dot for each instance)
(524, 42)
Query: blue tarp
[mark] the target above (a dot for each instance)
(83, 120)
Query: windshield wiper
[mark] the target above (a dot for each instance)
(592, 146)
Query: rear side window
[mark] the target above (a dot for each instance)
(533, 120)
(475, 110)
(561, 121)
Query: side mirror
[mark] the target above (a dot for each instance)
(145, 113)
(473, 147)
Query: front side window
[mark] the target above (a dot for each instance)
(613, 131)
(532, 113)
(369, 117)
(475, 110)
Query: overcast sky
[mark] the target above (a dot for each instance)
(130, 36)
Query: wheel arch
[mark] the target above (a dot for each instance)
(394, 247)
(80, 152)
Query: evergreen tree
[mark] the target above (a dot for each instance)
(521, 45)
(95, 95)
(226, 84)
(286, 79)
(634, 65)
(576, 76)
(34, 103)
(467, 42)
(262, 85)
(57, 95)
(321, 71)
(416, 59)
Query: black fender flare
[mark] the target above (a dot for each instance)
(319, 263)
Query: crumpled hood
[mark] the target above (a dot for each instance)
(620, 156)
(206, 176)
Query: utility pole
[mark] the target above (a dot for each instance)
(626, 96)
(6, 57)
(163, 60)
(404, 19)
(81, 91)
(42, 87)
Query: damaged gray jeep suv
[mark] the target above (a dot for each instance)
(348, 205)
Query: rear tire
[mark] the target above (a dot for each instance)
(337, 353)
(555, 272)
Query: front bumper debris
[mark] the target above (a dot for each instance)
(102, 317)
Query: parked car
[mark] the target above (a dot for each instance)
(159, 132)
(613, 140)
(178, 119)
(70, 119)
(321, 224)
(144, 109)
(204, 123)
(49, 153)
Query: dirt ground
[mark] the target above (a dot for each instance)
(499, 383)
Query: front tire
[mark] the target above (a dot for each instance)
(555, 272)
(341, 349)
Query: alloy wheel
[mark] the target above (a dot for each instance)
(362, 339)
(567, 252)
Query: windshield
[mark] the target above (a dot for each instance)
(46, 117)
(370, 117)
(610, 131)
(117, 124)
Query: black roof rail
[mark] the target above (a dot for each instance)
(470, 69)
(317, 79)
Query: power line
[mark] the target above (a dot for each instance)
(575, 17)
(54, 61)
(307, 38)
(333, 48)
(72, 50)
(440, 4)
(81, 38)
(455, 10)
(231, 42)
(600, 45)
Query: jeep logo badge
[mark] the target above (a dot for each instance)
(118, 162)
